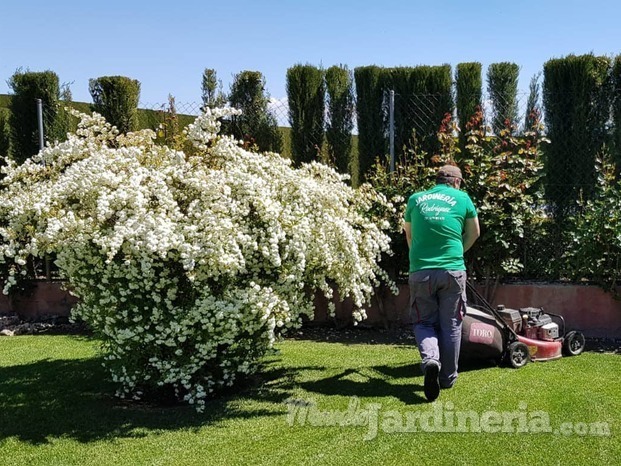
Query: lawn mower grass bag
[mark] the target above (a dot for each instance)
(482, 337)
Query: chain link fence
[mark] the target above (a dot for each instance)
(410, 125)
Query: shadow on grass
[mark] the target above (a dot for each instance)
(354, 382)
(71, 398)
(50, 399)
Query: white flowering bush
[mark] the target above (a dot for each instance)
(188, 263)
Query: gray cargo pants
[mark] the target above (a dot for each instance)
(438, 304)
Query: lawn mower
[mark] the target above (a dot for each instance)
(515, 335)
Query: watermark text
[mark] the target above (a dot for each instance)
(437, 417)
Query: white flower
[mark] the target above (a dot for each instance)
(186, 261)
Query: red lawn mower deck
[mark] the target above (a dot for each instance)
(516, 336)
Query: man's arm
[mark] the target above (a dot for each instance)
(407, 228)
(471, 232)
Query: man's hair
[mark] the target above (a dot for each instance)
(445, 179)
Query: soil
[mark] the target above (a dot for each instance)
(11, 324)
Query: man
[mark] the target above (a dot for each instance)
(440, 225)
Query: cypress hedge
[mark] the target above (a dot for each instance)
(406, 120)
(27, 87)
(370, 111)
(256, 126)
(469, 91)
(533, 108)
(340, 96)
(616, 113)
(423, 96)
(306, 91)
(4, 134)
(576, 100)
(502, 86)
(116, 99)
(211, 92)
(432, 99)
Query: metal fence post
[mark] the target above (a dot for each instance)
(40, 121)
(391, 130)
(48, 271)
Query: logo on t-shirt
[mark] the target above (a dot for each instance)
(433, 206)
(437, 197)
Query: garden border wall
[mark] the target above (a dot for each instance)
(588, 308)
(585, 307)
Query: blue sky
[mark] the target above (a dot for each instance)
(167, 45)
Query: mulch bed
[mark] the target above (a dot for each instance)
(11, 324)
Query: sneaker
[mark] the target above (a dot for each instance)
(432, 385)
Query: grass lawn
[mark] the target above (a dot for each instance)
(56, 408)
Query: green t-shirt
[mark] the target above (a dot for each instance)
(437, 217)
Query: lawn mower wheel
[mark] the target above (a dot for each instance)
(574, 343)
(517, 354)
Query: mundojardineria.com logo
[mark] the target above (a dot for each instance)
(437, 417)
